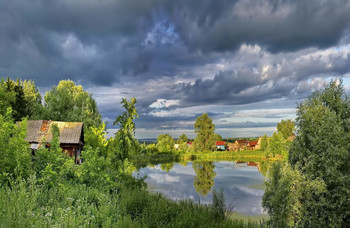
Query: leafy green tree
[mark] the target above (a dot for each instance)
(204, 180)
(32, 97)
(218, 137)
(23, 97)
(316, 181)
(183, 147)
(286, 127)
(205, 138)
(6, 98)
(322, 147)
(264, 142)
(165, 143)
(182, 139)
(277, 145)
(124, 141)
(69, 102)
(151, 149)
(292, 199)
(17, 100)
(15, 156)
(96, 138)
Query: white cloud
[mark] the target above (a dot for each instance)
(164, 103)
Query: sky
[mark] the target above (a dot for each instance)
(247, 63)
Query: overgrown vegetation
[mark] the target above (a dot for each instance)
(49, 189)
(312, 188)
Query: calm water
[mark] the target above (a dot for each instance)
(242, 184)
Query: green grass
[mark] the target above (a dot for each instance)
(29, 204)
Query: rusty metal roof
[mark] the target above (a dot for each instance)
(39, 130)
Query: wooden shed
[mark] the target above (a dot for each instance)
(71, 135)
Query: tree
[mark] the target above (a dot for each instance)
(165, 143)
(322, 147)
(317, 177)
(286, 127)
(6, 98)
(205, 138)
(124, 141)
(182, 139)
(32, 97)
(22, 96)
(96, 138)
(218, 137)
(264, 142)
(69, 102)
(15, 156)
(277, 144)
(17, 101)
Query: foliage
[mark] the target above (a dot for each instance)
(183, 147)
(96, 138)
(165, 143)
(6, 99)
(264, 142)
(286, 127)
(219, 208)
(15, 157)
(69, 102)
(22, 96)
(278, 145)
(124, 141)
(205, 138)
(218, 137)
(50, 190)
(204, 180)
(182, 139)
(294, 200)
(317, 179)
(32, 98)
(152, 149)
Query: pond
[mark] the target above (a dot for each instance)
(241, 182)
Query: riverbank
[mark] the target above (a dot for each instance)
(176, 156)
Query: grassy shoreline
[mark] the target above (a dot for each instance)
(176, 156)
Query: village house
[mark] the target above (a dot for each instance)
(257, 146)
(252, 145)
(241, 144)
(71, 136)
(189, 144)
(220, 145)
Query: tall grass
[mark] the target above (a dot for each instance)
(25, 203)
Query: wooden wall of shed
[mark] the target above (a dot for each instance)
(70, 149)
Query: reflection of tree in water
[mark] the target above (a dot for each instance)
(204, 180)
(167, 166)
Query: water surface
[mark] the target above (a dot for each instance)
(242, 184)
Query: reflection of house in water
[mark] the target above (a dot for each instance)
(252, 164)
(71, 135)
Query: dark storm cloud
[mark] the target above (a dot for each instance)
(102, 42)
(278, 25)
(293, 76)
(194, 53)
